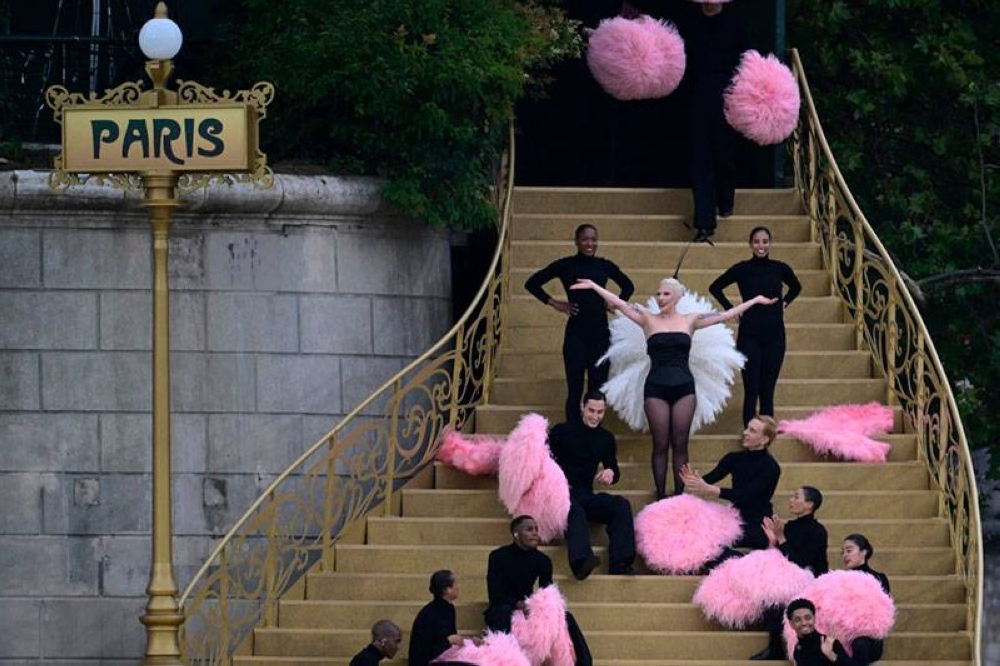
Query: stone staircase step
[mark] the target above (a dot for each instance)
(517, 390)
(471, 560)
(360, 586)
(484, 531)
(655, 227)
(799, 364)
(526, 310)
(503, 418)
(837, 505)
(825, 476)
(815, 282)
(591, 202)
(710, 448)
(622, 616)
(631, 255)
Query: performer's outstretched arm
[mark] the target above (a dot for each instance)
(717, 318)
(635, 313)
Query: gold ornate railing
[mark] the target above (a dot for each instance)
(888, 323)
(355, 468)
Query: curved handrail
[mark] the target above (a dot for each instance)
(351, 470)
(888, 322)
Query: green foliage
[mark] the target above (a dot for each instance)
(415, 91)
(909, 95)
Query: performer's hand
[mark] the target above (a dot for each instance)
(768, 526)
(778, 525)
(784, 305)
(764, 300)
(477, 640)
(521, 606)
(583, 284)
(826, 645)
(605, 476)
(457, 640)
(564, 307)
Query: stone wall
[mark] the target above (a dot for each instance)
(288, 307)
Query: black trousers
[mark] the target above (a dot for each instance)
(498, 619)
(713, 167)
(866, 650)
(613, 511)
(760, 374)
(580, 354)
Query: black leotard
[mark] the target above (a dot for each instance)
(669, 376)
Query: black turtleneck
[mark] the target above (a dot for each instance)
(809, 653)
(370, 656)
(755, 476)
(754, 277)
(805, 544)
(512, 571)
(883, 580)
(592, 315)
(577, 449)
(431, 628)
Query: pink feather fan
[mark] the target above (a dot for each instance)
(542, 633)
(477, 455)
(681, 534)
(849, 605)
(762, 102)
(497, 649)
(636, 59)
(843, 431)
(530, 480)
(739, 590)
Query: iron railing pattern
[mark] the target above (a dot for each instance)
(889, 324)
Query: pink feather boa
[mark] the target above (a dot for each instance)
(542, 633)
(849, 604)
(497, 649)
(739, 590)
(843, 431)
(477, 455)
(530, 480)
(640, 59)
(680, 534)
(762, 102)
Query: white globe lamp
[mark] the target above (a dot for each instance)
(160, 38)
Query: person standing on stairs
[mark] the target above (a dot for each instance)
(434, 629)
(386, 638)
(511, 575)
(669, 396)
(587, 337)
(578, 447)
(856, 551)
(761, 336)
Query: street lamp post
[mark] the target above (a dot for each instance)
(158, 142)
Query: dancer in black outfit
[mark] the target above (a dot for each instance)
(669, 393)
(813, 648)
(761, 336)
(803, 541)
(587, 336)
(856, 551)
(755, 475)
(578, 447)
(386, 637)
(511, 575)
(434, 629)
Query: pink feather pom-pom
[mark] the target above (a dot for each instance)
(497, 649)
(542, 633)
(636, 59)
(762, 102)
(739, 590)
(680, 534)
(843, 431)
(476, 455)
(849, 605)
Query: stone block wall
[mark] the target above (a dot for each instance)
(288, 307)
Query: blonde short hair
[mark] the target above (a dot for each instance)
(770, 428)
(674, 284)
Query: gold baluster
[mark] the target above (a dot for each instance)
(392, 443)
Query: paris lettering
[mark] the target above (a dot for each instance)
(175, 140)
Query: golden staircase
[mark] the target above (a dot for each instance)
(287, 589)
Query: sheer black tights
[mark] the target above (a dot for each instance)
(670, 425)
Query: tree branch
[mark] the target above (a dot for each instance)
(942, 280)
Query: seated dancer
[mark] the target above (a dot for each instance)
(803, 541)
(587, 337)
(386, 637)
(578, 446)
(856, 551)
(755, 476)
(813, 648)
(434, 629)
(669, 393)
(511, 575)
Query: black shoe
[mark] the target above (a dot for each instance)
(726, 213)
(583, 568)
(704, 236)
(621, 570)
(769, 654)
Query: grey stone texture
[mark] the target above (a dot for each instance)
(287, 308)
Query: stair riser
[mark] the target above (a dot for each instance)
(592, 202)
(707, 451)
(533, 255)
(836, 506)
(653, 228)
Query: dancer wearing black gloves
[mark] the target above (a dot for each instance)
(761, 337)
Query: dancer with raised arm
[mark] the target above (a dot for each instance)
(669, 398)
